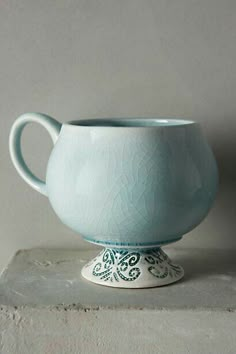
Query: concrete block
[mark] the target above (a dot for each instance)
(47, 307)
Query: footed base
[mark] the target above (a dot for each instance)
(132, 268)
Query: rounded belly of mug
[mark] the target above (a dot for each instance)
(130, 199)
(129, 215)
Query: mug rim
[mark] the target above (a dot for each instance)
(129, 122)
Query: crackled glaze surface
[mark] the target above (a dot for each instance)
(131, 186)
(124, 182)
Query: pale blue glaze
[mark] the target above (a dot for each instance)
(138, 182)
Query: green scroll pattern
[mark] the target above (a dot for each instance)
(160, 264)
(123, 262)
(115, 265)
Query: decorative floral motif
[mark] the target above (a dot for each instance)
(113, 265)
(161, 265)
(117, 264)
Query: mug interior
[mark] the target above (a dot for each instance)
(130, 122)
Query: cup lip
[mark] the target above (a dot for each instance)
(135, 123)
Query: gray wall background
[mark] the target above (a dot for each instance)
(97, 58)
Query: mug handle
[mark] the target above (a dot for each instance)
(51, 125)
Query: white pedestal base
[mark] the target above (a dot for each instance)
(132, 268)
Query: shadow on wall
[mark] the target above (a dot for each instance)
(225, 213)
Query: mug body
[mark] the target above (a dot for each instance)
(131, 182)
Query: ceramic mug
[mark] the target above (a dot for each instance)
(124, 183)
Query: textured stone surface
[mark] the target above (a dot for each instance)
(46, 307)
(44, 331)
(52, 277)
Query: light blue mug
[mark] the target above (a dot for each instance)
(131, 184)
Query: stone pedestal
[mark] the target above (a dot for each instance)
(47, 307)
